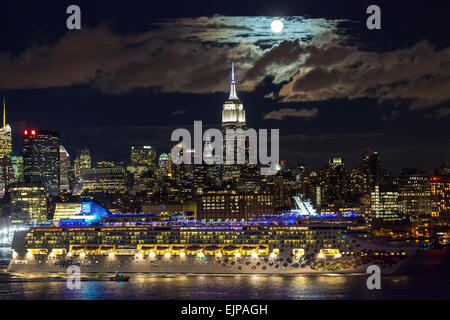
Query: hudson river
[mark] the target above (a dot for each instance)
(432, 283)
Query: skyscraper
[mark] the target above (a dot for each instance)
(233, 118)
(17, 162)
(414, 197)
(41, 159)
(163, 165)
(65, 169)
(5, 135)
(143, 160)
(6, 168)
(82, 161)
(334, 181)
(28, 203)
(440, 202)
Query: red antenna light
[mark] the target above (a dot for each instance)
(25, 132)
(33, 132)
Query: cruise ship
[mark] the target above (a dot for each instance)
(295, 242)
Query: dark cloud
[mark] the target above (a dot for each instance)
(194, 55)
(289, 112)
(419, 73)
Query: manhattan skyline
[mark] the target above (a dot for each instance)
(117, 90)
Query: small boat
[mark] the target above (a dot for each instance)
(119, 278)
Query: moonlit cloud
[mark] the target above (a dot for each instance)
(179, 55)
(288, 112)
(310, 59)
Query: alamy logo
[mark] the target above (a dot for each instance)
(246, 142)
(374, 281)
(74, 280)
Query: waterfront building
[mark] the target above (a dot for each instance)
(440, 203)
(414, 198)
(102, 181)
(231, 205)
(28, 203)
(385, 206)
(41, 159)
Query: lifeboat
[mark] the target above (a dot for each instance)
(249, 250)
(193, 250)
(230, 250)
(212, 250)
(263, 250)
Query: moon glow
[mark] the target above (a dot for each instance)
(276, 26)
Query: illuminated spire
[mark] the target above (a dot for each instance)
(233, 94)
(4, 112)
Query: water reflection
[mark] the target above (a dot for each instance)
(214, 287)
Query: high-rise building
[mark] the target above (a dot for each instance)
(372, 171)
(65, 169)
(6, 168)
(28, 203)
(231, 205)
(414, 196)
(440, 192)
(82, 161)
(164, 164)
(5, 135)
(143, 156)
(385, 206)
(233, 118)
(334, 181)
(440, 203)
(41, 158)
(17, 162)
(102, 181)
(143, 160)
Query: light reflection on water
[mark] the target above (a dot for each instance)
(215, 287)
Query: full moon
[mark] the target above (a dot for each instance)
(276, 26)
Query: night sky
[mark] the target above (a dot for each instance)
(139, 69)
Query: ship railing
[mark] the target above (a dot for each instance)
(178, 250)
(107, 249)
(161, 250)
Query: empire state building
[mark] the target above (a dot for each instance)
(233, 118)
(233, 113)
